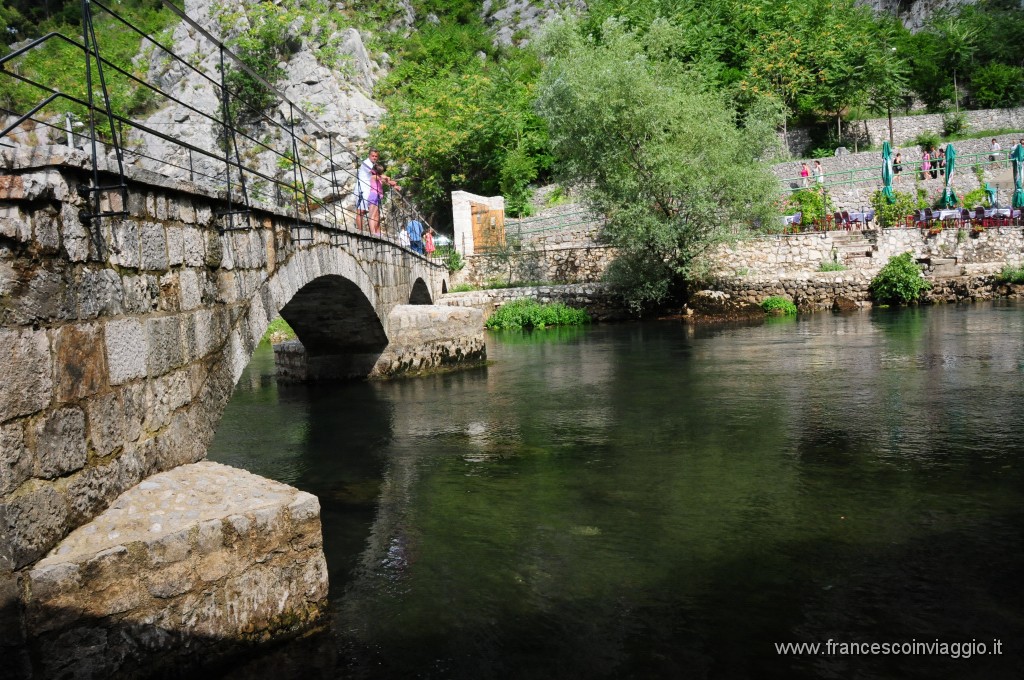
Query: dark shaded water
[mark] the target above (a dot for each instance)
(650, 501)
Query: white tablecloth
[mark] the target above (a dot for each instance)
(946, 214)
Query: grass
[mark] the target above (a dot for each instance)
(278, 331)
(829, 266)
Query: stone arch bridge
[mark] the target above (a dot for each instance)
(121, 341)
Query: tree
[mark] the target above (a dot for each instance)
(655, 150)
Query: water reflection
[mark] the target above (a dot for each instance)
(647, 501)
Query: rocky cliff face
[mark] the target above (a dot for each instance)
(340, 100)
(913, 13)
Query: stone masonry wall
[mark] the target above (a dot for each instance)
(568, 263)
(797, 255)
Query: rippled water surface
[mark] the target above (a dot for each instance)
(650, 501)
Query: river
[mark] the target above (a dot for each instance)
(652, 500)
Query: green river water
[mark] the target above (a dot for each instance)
(657, 501)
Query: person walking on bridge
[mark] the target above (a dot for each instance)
(364, 187)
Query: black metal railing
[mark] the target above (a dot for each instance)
(279, 154)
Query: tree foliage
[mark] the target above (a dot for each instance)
(653, 148)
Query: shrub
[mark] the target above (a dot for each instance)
(892, 214)
(954, 124)
(975, 197)
(463, 288)
(451, 258)
(528, 313)
(1011, 275)
(899, 281)
(828, 266)
(811, 204)
(777, 304)
(928, 140)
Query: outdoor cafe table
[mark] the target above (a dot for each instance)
(999, 212)
(946, 214)
(861, 216)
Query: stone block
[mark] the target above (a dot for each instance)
(166, 395)
(125, 244)
(46, 231)
(127, 350)
(100, 293)
(193, 247)
(80, 367)
(214, 249)
(160, 553)
(49, 296)
(191, 295)
(141, 294)
(153, 240)
(170, 293)
(15, 460)
(58, 442)
(164, 347)
(36, 519)
(107, 426)
(24, 373)
(175, 246)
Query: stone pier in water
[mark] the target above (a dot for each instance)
(190, 561)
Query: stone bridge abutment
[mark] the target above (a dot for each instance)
(122, 338)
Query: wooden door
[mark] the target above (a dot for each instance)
(488, 228)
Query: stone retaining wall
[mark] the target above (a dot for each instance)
(906, 128)
(785, 256)
(572, 262)
(819, 291)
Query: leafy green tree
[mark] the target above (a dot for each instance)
(998, 85)
(655, 150)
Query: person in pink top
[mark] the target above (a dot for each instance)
(926, 164)
(428, 241)
(805, 175)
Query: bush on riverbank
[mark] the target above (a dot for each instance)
(900, 281)
(527, 313)
(1011, 275)
(779, 305)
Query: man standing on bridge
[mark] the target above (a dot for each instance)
(415, 229)
(364, 187)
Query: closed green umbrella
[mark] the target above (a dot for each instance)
(949, 198)
(887, 173)
(1017, 159)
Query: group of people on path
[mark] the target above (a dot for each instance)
(818, 172)
(370, 183)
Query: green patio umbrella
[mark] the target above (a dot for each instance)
(1017, 159)
(887, 173)
(949, 199)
